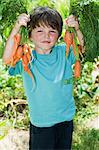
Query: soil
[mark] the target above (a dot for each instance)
(15, 140)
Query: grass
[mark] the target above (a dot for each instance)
(85, 139)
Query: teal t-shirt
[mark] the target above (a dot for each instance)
(50, 98)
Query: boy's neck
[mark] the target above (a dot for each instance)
(40, 51)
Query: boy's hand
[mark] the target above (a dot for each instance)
(22, 20)
(72, 21)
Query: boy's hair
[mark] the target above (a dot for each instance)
(45, 16)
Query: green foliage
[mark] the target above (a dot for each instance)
(85, 91)
(88, 139)
(9, 11)
(62, 7)
(37, 3)
(13, 104)
(86, 10)
(88, 15)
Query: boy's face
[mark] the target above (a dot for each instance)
(44, 38)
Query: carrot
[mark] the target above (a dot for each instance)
(80, 50)
(25, 48)
(17, 55)
(15, 46)
(25, 61)
(27, 51)
(25, 65)
(16, 43)
(77, 69)
(74, 44)
(68, 40)
(16, 39)
(20, 52)
(29, 54)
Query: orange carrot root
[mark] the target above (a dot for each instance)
(26, 59)
(77, 69)
(74, 45)
(19, 52)
(16, 43)
(68, 40)
(18, 38)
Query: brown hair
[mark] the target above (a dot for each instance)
(45, 16)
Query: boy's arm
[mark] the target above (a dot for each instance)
(10, 42)
(72, 21)
(80, 38)
(21, 21)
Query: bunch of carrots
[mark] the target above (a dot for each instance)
(23, 52)
(20, 52)
(70, 40)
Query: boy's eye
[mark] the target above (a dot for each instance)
(52, 31)
(39, 31)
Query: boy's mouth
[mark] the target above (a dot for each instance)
(47, 42)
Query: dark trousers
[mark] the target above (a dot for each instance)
(57, 137)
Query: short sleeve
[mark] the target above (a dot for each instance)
(18, 69)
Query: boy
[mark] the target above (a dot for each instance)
(51, 103)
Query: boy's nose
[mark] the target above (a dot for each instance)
(47, 35)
